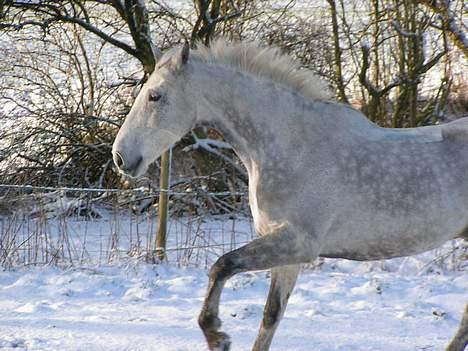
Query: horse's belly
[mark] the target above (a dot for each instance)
(376, 251)
(379, 238)
(397, 204)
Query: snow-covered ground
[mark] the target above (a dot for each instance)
(137, 306)
(103, 296)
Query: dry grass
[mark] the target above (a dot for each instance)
(50, 229)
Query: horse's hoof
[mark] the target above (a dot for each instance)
(219, 341)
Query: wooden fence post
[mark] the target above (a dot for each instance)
(163, 205)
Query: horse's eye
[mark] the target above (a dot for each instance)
(154, 97)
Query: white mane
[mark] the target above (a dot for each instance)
(266, 62)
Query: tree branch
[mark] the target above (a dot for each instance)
(99, 33)
(449, 23)
(371, 88)
(133, 12)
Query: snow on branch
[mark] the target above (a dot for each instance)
(371, 88)
(402, 32)
(212, 146)
(449, 23)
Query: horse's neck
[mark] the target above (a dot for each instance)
(251, 113)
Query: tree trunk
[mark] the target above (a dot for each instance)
(338, 64)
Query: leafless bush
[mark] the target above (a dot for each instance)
(71, 69)
(64, 111)
(304, 37)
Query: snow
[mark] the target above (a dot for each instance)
(105, 299)
(137, 306)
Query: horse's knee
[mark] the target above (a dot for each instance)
(225, 267)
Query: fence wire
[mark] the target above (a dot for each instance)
(31, 188)
(67, 226)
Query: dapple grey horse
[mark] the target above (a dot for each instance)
(323, 180)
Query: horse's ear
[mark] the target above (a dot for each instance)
(175, 59)
(157, 53)
(185, 53)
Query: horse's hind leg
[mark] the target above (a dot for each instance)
(460, 340)
(283, 280)
(274, 250)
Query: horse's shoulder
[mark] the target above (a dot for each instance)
(456, 131)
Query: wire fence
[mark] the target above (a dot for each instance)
(79, 226)
(68, 225)
(30, 188)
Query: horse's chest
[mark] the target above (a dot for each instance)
(263, 222)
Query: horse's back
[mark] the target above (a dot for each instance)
(455, 131)
(354, 123)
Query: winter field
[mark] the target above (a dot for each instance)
(77, 276)
(143, 307)
(102, 295)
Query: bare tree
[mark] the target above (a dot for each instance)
(340, 86)
(210, 14)
(18, 14)
(452, 25)
(395, 47)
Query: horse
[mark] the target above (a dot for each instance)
(324, 181)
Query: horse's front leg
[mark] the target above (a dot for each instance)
(274, 250)
(282, 284)
(460, 340)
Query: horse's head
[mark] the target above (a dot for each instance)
(159, 117)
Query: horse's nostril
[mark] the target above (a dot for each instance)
(118, 160)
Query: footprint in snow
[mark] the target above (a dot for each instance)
(247, 312)
(36, 307)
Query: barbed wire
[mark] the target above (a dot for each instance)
(31, 188)
(146, 251)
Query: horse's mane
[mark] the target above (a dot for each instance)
(266, 62)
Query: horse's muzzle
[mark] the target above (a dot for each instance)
(127, 166)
